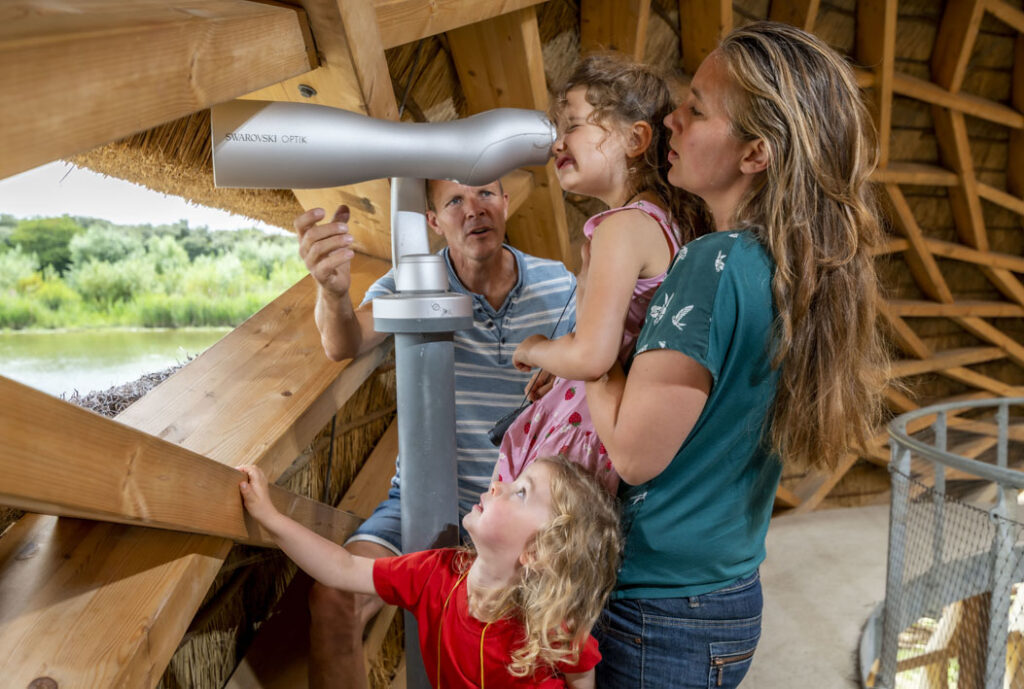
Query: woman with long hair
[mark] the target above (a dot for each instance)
(760, 350)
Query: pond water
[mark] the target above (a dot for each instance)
(61, 362)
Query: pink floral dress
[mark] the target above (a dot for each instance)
(559, 422)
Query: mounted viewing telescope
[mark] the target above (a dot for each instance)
(301, 146)
(275, 145)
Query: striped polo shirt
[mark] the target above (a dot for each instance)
(487, 385)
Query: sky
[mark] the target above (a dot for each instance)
(59, 188)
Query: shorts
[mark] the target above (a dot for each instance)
(384, 526)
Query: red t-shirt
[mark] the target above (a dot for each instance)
(420, 583)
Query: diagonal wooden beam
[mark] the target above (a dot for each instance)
(955, 40)
(614, 25)
(800, 13)
(922, 265)
(500, 64)
(952, 358)
(966, 103)
(124, 596)
(988, 332)
(405, 21)
(814, 487)
(702, 24)
(60, 459)
(876, 47)
(969, 255)
(905, 337)
(77, 75)
(353, 75)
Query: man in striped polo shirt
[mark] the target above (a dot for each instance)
(514, 295)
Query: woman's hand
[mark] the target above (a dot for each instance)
(522, 358)
(256, 495)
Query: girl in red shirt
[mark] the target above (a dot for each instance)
(517, 610)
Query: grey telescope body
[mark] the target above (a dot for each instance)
(302, 146)
(272, 145)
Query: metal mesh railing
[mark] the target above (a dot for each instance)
(953, 616)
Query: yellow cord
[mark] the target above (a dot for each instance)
(440, 627)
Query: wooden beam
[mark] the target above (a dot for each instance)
(955, 41)
(614, 25)
(948, 359)
(800, 13)
(876, 47)
(984, 309)
(81, 74)
(1015, 154)
(988, 332)
(60, 459)
(353, 75)
(405, 21)
(814, 487)
(703, 23)
(904, 335)
(1007, 14)
(915, 173)
(922, 265)
(966, 103)
(124, 596)
(969, 255)
(277, 658)
(500, 64)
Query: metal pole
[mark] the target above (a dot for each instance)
(423, 315)
(899, 466)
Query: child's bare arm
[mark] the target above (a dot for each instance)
(582, 680)
(623, 247)
(327, 562)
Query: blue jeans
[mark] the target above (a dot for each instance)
(693, 643)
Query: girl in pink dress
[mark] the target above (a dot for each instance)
(611, 146)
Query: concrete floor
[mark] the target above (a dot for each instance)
(824, 575)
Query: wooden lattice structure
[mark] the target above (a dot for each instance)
(125, 88)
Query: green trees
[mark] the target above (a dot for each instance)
(48, 238)
(54, 273)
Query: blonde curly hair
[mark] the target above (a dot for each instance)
(573, 563)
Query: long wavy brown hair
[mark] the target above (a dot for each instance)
(623, 92)
(815, 211)
(572, 567)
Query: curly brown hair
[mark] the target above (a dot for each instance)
(622, 92)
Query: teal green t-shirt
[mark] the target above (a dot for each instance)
(701, 524)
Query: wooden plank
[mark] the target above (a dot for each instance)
(1007, 14)
(876, 46)
(1015, 154)
(1010, 202)
(915, 173)
(948, 359)
(801, 13)
(124, 596)
(982, 382)
(955, 41)
(58, 458)
(969, 255)
(500, 64)
(922, 265)
(353, 76)
(988, 332)
(985, 309)
(904, 335)
(85, 73)
(614, 25)
(405, 21)
(277, 658)
(702, 24)
(785, 498)
(968, 104)
(814, 487)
